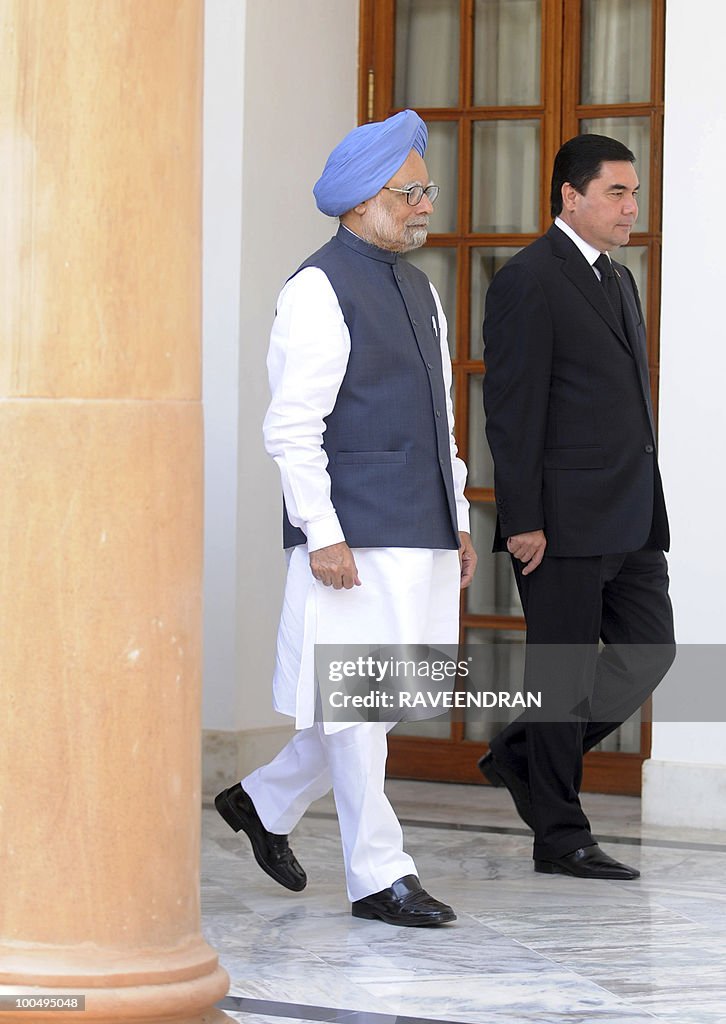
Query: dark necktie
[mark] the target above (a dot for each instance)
(611, 286)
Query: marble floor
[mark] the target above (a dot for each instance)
(526, 948)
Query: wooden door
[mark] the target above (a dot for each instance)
(501, 84)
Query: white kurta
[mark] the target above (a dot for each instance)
(408, 595)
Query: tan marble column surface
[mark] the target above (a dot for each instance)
(101, 509)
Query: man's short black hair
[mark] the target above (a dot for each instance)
(579, 161)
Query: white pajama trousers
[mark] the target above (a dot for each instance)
(408, 596)
(353, 762)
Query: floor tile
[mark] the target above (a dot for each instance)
(527, 948)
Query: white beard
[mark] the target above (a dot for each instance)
(382, 230)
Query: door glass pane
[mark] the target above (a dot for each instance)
(442, 161)
(493, 590)
(484, 265)
(625, 739)
(505, 185)
(439, 265)
(427, 53)
(503, 671)
(507, 48)
(479, 461)
(635, 258)
(616, 51)
(633, 132)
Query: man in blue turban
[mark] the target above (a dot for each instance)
(376, 526)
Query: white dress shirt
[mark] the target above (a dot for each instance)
(588, 251)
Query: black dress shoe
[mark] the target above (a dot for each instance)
(500, 774)
(271, 851)
(404, 903)
(587, 862)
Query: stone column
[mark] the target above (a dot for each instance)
(100, 510)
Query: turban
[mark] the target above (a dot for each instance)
(366, 159)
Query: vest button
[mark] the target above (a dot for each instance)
(429, 366)
(438, 413)
(414, 322)
(649, 449)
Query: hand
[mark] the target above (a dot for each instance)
(334, 566)
(529, 548)
(467, 560)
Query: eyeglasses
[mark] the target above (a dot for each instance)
(415, 193)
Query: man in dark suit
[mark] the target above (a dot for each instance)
(578, 491)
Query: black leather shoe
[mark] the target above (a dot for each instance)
(500, 774)
(271, 851)
(404, 903)
(587, 862)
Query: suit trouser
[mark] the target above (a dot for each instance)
(573, 603)
(353, 762)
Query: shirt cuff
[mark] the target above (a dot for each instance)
(324, 532)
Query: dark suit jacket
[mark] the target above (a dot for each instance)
(567, 400)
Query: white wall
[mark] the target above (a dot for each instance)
(685, 781)
(224, 30)
(281, 84)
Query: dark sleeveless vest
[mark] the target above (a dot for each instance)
(387, 438)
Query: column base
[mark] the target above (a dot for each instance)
(179, 1002)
